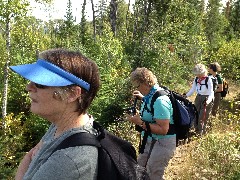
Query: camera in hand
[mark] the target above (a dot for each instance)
(131, 110)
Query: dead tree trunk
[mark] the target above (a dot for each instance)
(113, 16)
(94, 21)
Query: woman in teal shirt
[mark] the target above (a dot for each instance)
(155, 160)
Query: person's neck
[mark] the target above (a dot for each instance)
(214, 74)
(68, 122)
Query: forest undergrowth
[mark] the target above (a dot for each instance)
(216, 155)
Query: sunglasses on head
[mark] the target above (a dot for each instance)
(39, 86)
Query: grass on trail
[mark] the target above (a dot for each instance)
(216, 155)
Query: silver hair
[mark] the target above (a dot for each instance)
(61, 93)
(199, 69)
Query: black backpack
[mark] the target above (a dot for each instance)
(184, 113)
(116, 157)
(214, 81)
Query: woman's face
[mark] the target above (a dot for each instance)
(135, 85)
(210, 71)
(43, 102)
(142, 87)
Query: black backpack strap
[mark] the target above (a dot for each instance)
(155, 96)
(196, 78)
(206, 81)
(78, 139)
(83, 138)
(145, 136)
(169, 93)
(150, 151)
(148, 131)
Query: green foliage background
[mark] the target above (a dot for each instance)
(143, 38)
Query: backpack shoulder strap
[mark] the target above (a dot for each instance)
(78, 139)
(155, 96)
(196, 79)
(206, 81)
(83, 138)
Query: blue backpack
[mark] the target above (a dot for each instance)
(184, 113)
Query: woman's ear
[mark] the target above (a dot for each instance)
(74, 94)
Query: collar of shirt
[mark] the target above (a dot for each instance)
(201, 79)
(151, 92)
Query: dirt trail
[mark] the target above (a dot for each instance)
(177, 162)
(181, 159)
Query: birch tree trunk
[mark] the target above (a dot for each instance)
(5, 89)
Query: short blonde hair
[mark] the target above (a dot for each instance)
(199, 69)
(143, 75)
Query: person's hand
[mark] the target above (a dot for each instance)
(136, 119)
(207, 102)
(35, 150)
(138, 94)
(25, 162)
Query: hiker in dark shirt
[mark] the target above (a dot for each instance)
(62, 85)
(160, 145)
(214, 68)
(204, 98)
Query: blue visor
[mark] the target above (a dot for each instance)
(45, 73)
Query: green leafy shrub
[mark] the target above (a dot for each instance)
(217, 155)
(125, 130)
(20, 134)
(11, 144)
(34, 128)
(228, 56)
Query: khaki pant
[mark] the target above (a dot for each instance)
(216, 103)
(163, 150)
(203, 112)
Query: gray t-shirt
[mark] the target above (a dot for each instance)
(78, 162)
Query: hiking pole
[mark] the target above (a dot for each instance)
(204, 115)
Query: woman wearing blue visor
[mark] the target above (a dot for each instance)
(62, 86)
